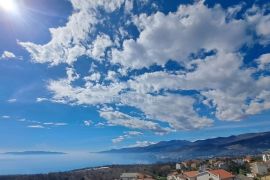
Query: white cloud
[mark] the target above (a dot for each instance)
(118, 139)
(126, 135)
(22, 120)
(142, 144)
(264, 61)
(218, 81)
(91, 94)
(40, 99)
(12, 100)
(93, 77)
(259, 20)
(128, 6)
(99, 46)
(48, 123)
(36, 126)
(55, 124)
(100, 124)
(5, 117)
(60, 124)
(176, 110)
(7, 55)
(134, 133)
(88, 122)
(177, 35)
(116, 118)
(72, 40)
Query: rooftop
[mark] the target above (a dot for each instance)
(222, 173)
(191, 173)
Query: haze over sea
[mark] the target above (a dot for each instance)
(33, 164)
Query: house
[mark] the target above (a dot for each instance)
(175, 176)
(220, 165)
(193, 165)
(179, 166)
(218, 174)
(242, 177)
(259, 168)
(135, 176)
(266, 156)
(190, 175)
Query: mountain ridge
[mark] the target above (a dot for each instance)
(243, 144)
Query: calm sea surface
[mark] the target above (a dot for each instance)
(31, 164)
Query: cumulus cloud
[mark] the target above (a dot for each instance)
(7, 55)
(177, 35)
(116, 118)
(264, 61)
(260, 21)
(72, 40)
(99, 46)
(165, 100)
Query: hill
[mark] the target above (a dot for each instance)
(251, 143)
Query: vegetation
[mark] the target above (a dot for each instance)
(158, 171)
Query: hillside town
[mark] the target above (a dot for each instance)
(224, 168)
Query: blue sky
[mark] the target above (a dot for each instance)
(94, 75)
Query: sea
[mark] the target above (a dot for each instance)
(34, 164)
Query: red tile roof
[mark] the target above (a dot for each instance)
(222, 173)
(191, 173)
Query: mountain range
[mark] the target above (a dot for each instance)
(244, 144)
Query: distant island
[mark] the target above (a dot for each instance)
(34, 153)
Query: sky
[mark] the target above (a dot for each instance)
(85, 75)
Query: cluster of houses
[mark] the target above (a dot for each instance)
(218, 174)
(213, 169)
(261, 168)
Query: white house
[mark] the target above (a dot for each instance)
(266, 156)
(179, 166)
(259, 168)
(218, 174)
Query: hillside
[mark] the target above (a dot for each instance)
(251, 143)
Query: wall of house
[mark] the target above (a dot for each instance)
(207, 176)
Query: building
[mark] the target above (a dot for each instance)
(191, 175)
(242, 177)
(179, 166)
(220, 165)
(259, 168)
(218, 174)
(135, 176)
(193, 165)
(266, 156)
(175, 176)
